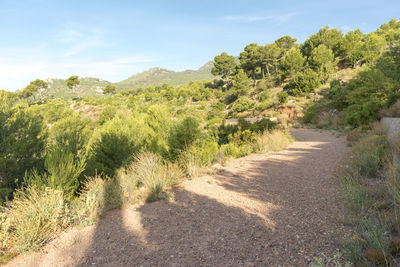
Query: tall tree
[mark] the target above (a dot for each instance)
(291, 63)
(269, 55)
(225, 66)
(110, 89)
(351, 47)
(322, 61)
(250, 60)
(33, 88)
(373, 46)
(331, 38)
(285, 43)
(72, 81)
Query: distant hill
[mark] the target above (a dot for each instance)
(87, 87)
(156, 76)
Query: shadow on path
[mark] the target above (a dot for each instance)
(207, 226)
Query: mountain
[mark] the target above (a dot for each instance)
(87, 87)
(156, 76)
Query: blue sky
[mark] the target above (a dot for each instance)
(115, 39)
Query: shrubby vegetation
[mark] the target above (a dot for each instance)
(370, 183)
(67, 162)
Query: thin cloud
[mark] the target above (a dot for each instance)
(253, 18)
(79, 41)
(16, 75)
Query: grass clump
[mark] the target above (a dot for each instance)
(371, 183)
(369, 154)
(272, 141)
(32, 218)
(154, 175)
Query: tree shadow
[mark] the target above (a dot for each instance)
(196, 230)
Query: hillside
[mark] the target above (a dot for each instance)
(87, 87)
(156, 76)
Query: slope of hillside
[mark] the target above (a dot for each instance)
(156, 76)
(87, 87)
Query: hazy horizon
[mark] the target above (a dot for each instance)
(114, 40)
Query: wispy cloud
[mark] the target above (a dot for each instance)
(69, 53)
(79, 41)
(254, 18)
(15, 74)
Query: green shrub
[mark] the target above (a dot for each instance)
(272, 141)
(22, 144)
(392, 174)
(107, 114)
(263, 105)
(33, 217)
(230, 150)
(242, 104)
(109, 152)
(71, 133)
(155, 175)
(304, 82)
(183, 135)
(5, 194)
(283, 97)
(369, 154)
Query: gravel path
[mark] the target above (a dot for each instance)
(274, 210)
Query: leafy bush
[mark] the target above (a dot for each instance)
(242, 104)
(22, 146)
(62, 172)
(230, 150)
(71, 134)
(182, 135)
(304, 82)
(200, 154)
(5, 194)
(282, 97)
(369, 154)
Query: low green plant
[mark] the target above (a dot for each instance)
(272, 141)
(369, 154)
(230, 150)
(33, 217)
(283, 97)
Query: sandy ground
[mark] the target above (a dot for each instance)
(262, 210)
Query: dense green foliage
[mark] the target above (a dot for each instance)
(151, 136)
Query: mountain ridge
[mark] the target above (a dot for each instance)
(90, 86)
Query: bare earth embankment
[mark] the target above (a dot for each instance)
(274, 210)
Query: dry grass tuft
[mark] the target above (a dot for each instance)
(272, 141)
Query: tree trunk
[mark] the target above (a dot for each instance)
(266, 66)
(254, 78)
(263, 74)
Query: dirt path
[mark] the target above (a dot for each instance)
(275, 210)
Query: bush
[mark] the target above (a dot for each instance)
(22, 144)
(283, 97)
(272, 141)
(109, 152)
(71, 133)
(183, 135)
(230, 150)
(369, 154)
(242, 104)
(5, 194)
(33, 217)
(155, 175)
(303, 83)
(199, 155)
